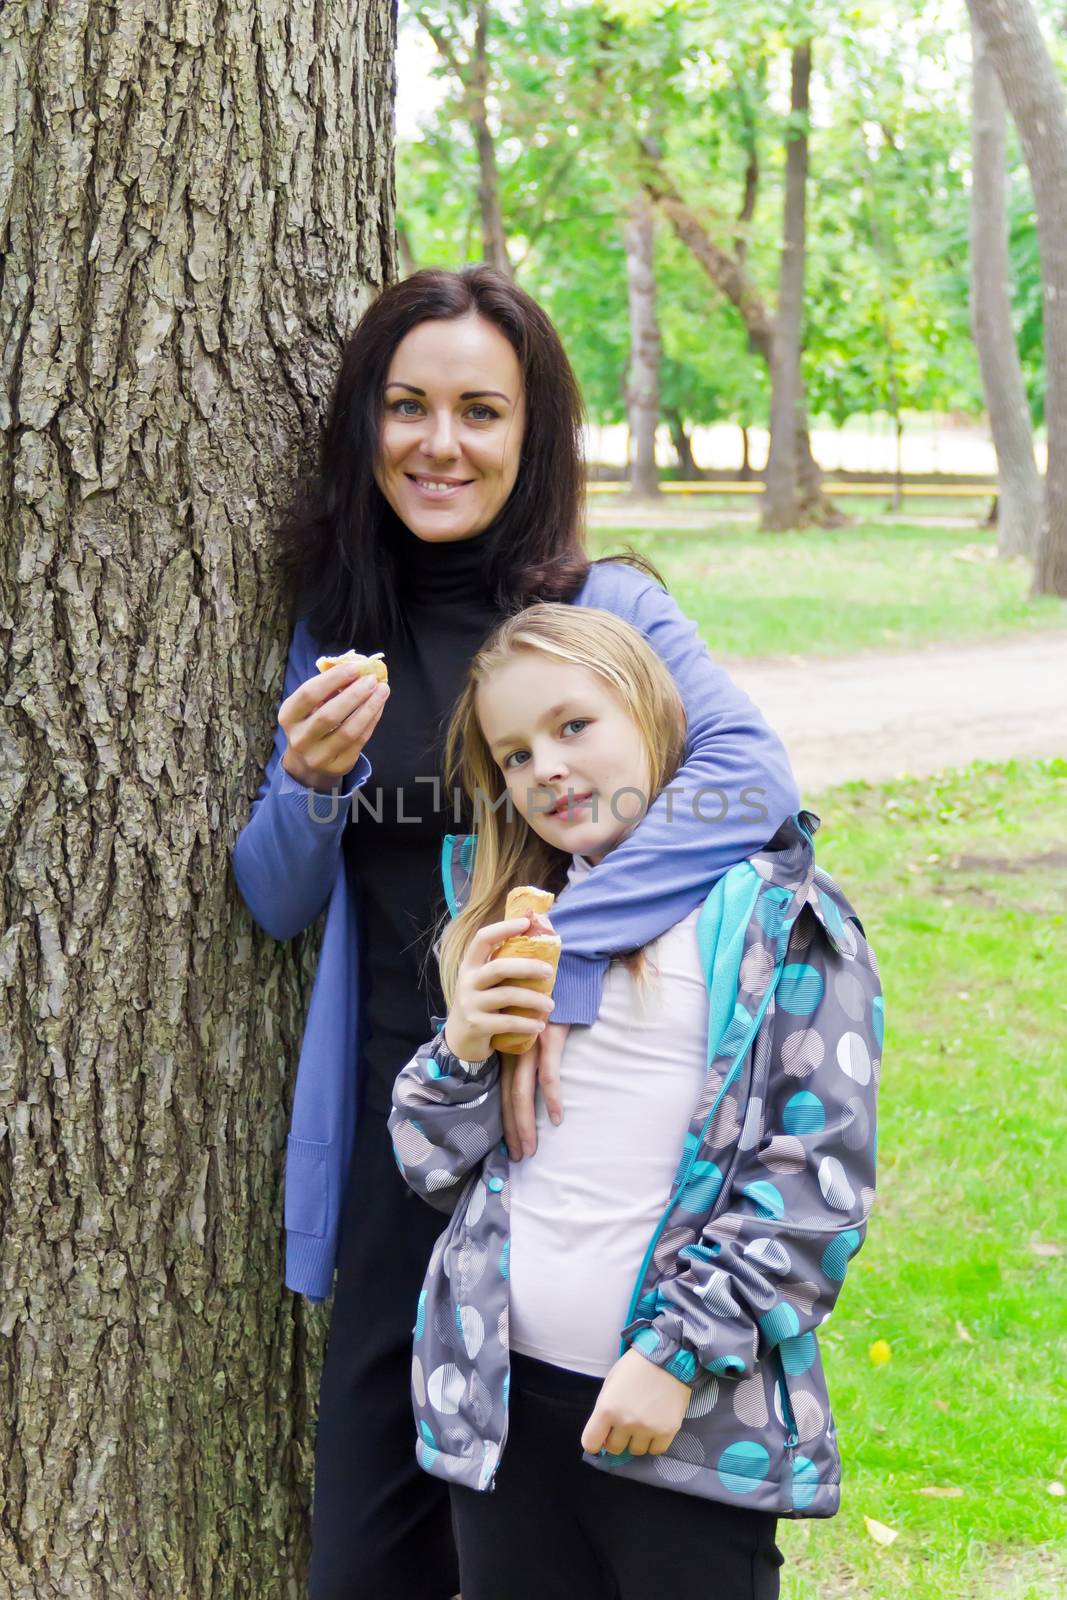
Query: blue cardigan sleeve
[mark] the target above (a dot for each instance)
(733, 791)
(286, 855)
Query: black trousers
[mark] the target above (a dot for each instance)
(381, 1527)
(555, 1528)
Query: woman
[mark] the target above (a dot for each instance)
(449, 495)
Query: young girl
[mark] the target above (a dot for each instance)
(632, 1310)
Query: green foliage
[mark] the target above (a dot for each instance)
(575, 88)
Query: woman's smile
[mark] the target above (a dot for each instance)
(438, 488)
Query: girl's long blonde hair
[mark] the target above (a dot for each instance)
(508, 851)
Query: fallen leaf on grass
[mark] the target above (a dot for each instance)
(937, 1492)
(880, 1352)
(879, 1532)
(942, 1405)
(1041, 1247)
(964, 1333)
(1055, 1489)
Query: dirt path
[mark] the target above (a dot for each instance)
(884, 713)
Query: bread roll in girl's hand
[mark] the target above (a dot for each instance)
(539, 944)
(374, 664)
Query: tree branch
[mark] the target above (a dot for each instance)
(726, 272)
(445, 47)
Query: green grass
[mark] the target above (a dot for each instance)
(975, 508)
(962, 885)
(829, 591)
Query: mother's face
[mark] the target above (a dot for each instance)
(452, 426)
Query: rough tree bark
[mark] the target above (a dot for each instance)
(192, 215)
(781, 508)
(1034, 96)
(730, 276)
(642, 388)
(1019, 510)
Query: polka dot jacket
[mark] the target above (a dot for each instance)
(769, 1204)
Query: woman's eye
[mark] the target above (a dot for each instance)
(478, 413)
(576, 722)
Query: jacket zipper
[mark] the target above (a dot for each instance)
(503, 1436)
(727, 1081)
(792, 1438)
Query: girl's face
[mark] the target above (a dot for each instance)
(571, 754)
(452, 428)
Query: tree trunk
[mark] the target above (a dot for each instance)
(780, 507)
(731, 278)
(898, 424)
(408, 264)
(494, 244)
(746, 454)
(191, 219)
(683, 445)
(1019, 519)
(471, 73)
(642, 389)
(1034, 95)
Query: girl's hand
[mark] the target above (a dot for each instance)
(519, 1080)
(640, 1409)
(485, 988)
(327, 721)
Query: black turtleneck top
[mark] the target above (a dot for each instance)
(397, 824)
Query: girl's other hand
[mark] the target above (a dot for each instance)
(520, 1079)
(327, 720)
(639, 1408)
(485, 989)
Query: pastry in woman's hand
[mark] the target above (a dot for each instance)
(374, 664)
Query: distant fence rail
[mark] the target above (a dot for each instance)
(952, 491)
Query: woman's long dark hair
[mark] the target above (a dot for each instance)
(337, 547)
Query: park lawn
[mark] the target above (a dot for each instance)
(828, 591)
(962, 885)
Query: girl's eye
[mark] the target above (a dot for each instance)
(576, 722)
(509, 760)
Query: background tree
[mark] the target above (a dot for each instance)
(1034, 94)
(1019, 501)
(781, 507)
(190, 220)
(729, 56)
(887, 327)
(467, 59)
(642, 385)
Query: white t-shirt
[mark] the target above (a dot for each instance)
(585, 1206)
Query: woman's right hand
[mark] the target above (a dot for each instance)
(485, 988)
(327, 721)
